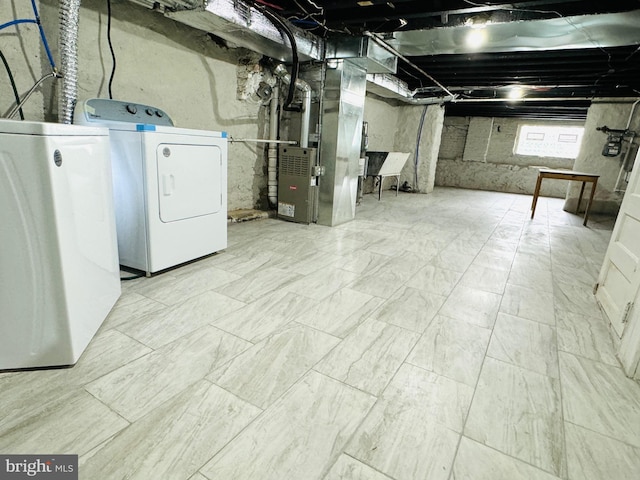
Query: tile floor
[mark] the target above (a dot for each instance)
(443, 336)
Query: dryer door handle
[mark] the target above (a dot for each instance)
(168, 184)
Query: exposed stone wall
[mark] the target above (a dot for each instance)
(590, 159)
(159, 62)
(393, 127)
(478, 153)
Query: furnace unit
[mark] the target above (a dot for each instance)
(297, 184)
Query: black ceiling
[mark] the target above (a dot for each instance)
(557, 76)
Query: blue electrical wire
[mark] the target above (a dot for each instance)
(42, 34)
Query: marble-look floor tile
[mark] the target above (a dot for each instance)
(130, 307)
(258, 283)
(73, 425)
(298, 437)
(369, 356)
(384, 281)
(597, 457)
(478, 462)
(575, 297)
(453, 348)
(348, 468)
(410, 308)
(140, 386)
(388, 247)
(485, 278)
(494, 258)
(26, 395)
(340, 313)
(601, 398)
(525, 343)
(160, 328)
(174, 440)
(458, 262)
(171, 291)
(322, 283)
(265, 371)
(585, 336)
(565, 274)
(246, 262)
(362, 262)
(259, 319)
(532, 304)
(472, 305)
(535, 278)
(519, 413)
(412, 432)
(435, 280)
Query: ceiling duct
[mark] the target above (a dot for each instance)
(388, 86)
(578, 32)
(243, 25)
(363, 51)
(170, 4)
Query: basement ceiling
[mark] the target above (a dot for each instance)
(560, 54)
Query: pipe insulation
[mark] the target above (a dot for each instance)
(272, 155)
(280, 71)
(69, 15)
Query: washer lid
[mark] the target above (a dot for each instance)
(45, 128)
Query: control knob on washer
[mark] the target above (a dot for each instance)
(132, 109)
(159, 113)
(149, 111)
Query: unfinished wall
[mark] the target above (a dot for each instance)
(393, 127)
(590, 159)
(478, 153)
(159, 62)
(22, 49)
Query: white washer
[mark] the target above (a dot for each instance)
(59, 274)
(170, 185)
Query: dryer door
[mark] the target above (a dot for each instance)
(189, 181)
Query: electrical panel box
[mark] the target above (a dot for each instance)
(297, 184)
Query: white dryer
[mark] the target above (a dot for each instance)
(59, 274)
(170, 185)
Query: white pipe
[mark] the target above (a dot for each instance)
(280, 71)
(272, 165)
(633, 109)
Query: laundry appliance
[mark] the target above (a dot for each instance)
(170, 184)
(59, 274)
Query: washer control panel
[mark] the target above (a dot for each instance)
(96, 110)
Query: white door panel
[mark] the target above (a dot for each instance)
(619, 279)
(190, 179)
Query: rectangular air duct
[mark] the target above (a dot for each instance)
(363, 51)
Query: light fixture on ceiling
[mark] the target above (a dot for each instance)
(476, 37)
(515, 93)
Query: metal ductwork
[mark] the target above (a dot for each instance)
(243, 25)
(68, 95)
(388, 86)
(364, 51)
(578, 32)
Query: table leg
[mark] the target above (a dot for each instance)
(593, 191)
(379, 187)
(397, 184)
(580, 197)
(536, 192)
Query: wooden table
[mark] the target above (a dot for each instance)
(567, 175)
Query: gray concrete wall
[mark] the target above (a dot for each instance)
(393, 127)
(590, 159)
(159, 62)
(478, 153)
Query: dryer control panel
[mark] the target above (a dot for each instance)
(103, 110)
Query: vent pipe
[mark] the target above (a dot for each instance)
(272, 155)
(69, 18)
(280, 71)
